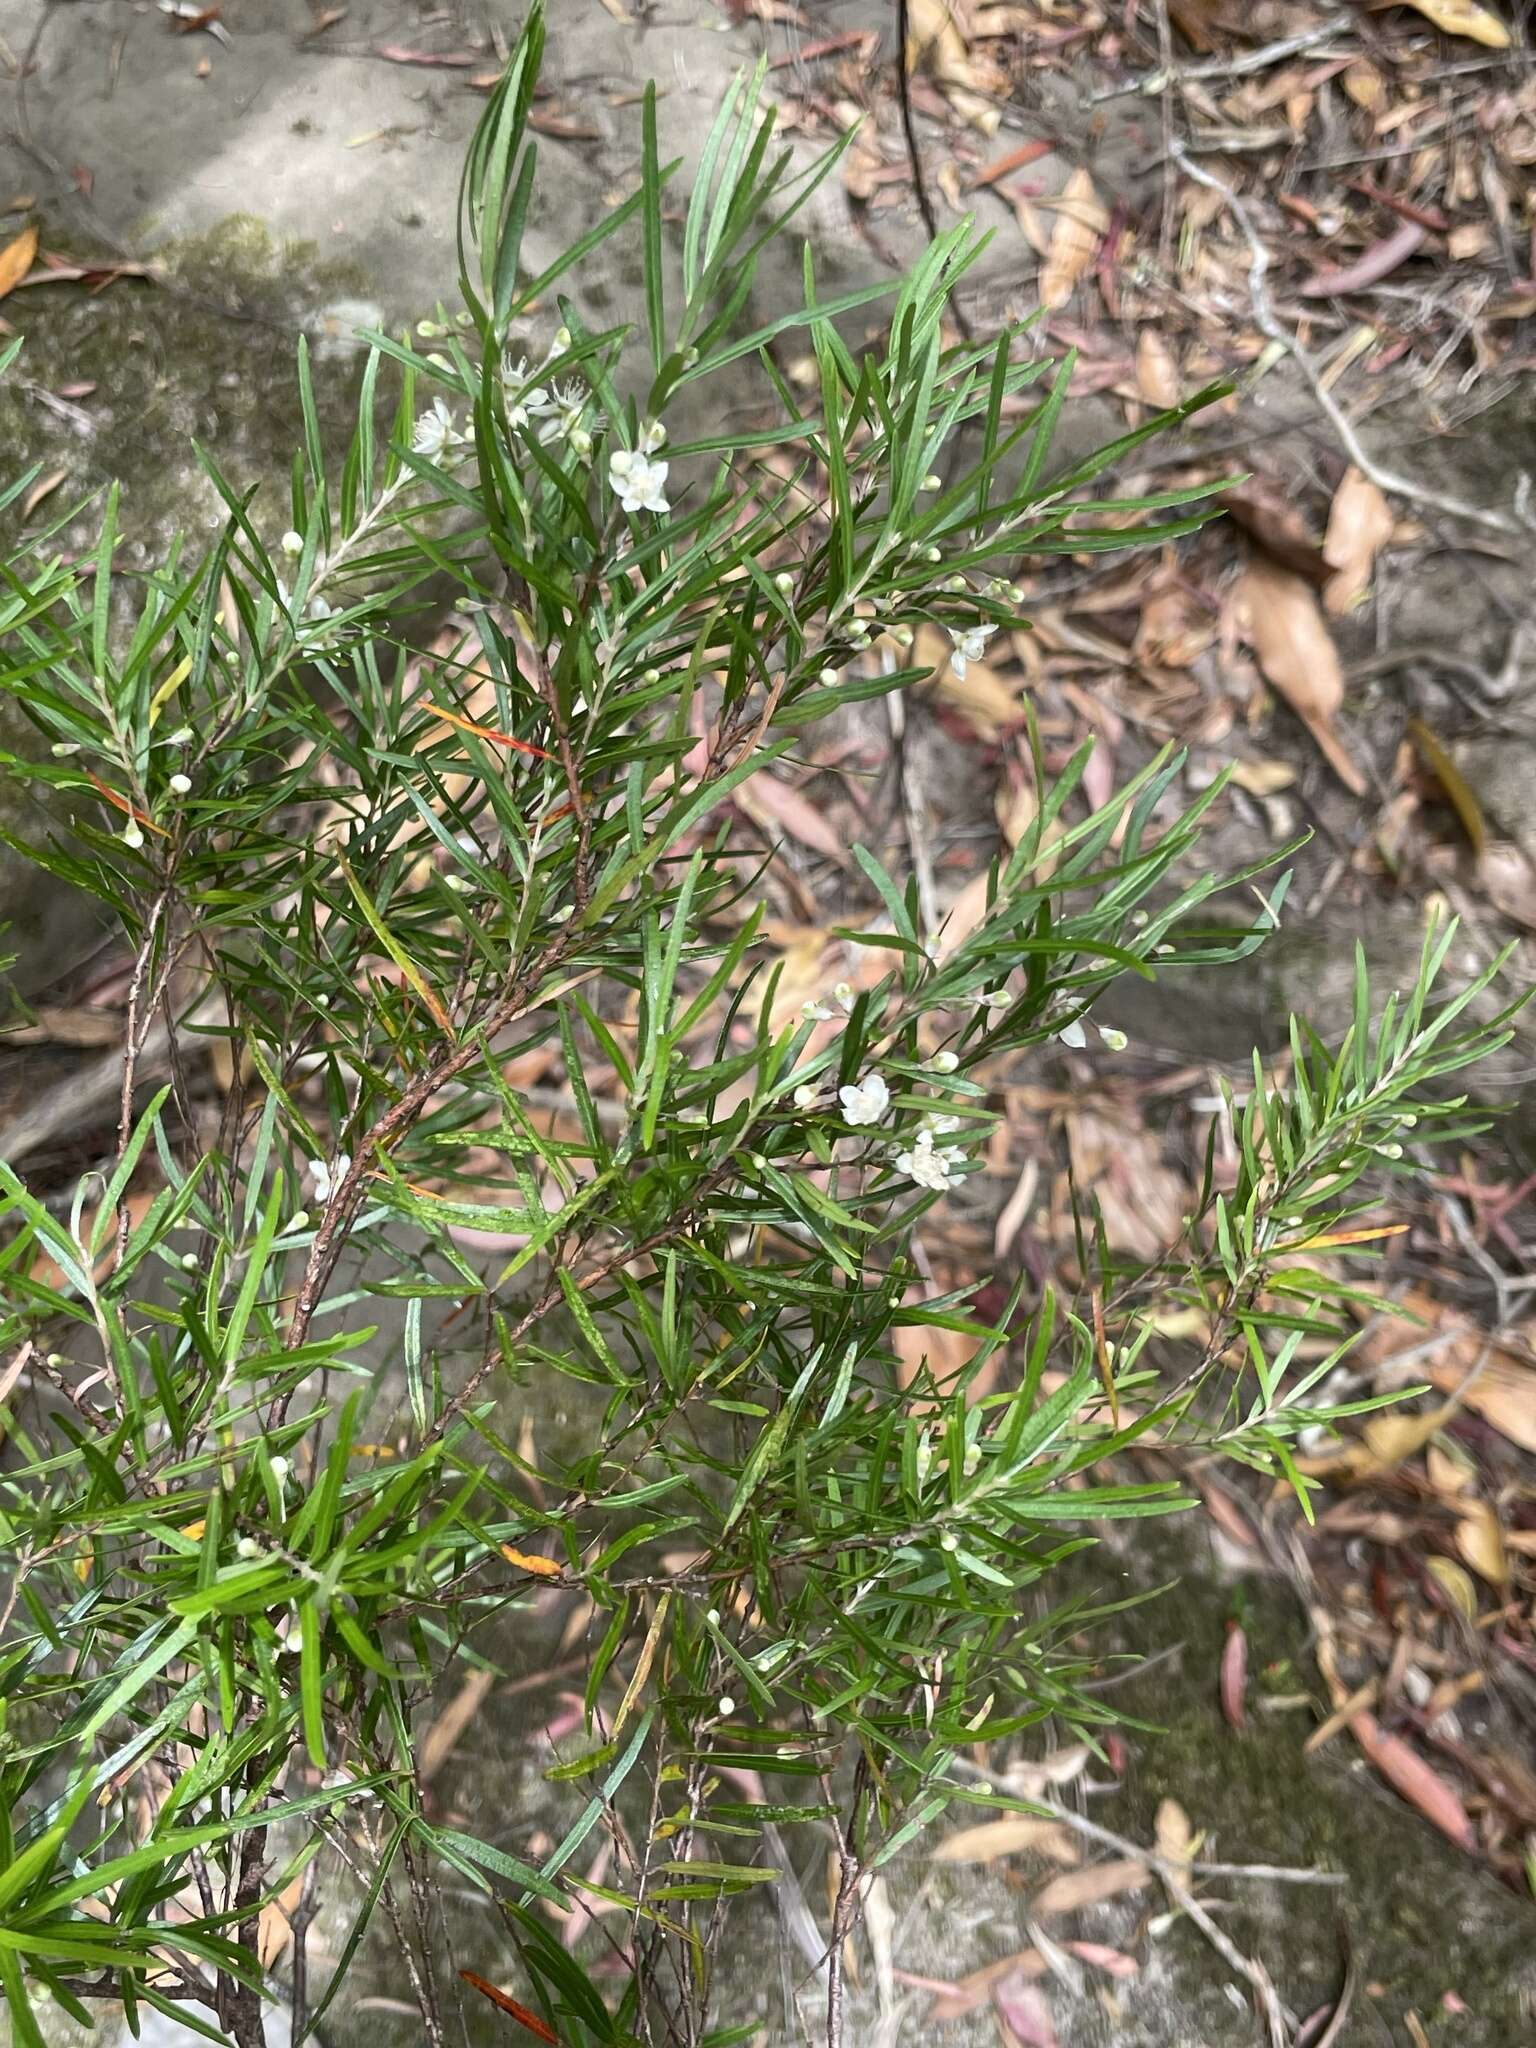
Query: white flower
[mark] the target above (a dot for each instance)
(638, 481)
(1115, 1040)
(944, 1062)
(929, 1166)
(970, 645)
(653, 436)
(1073, 1035)
(844, 994)
(435, 432)
(327, 1178)
(320, 608)
(866, 1101)
(567, 403)
(805, 1095)
(533, 405)
(938, 1124)
(814, 1012)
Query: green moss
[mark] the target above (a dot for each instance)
(203, 353)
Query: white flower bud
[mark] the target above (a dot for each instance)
(933, 555)
(247, 1547)
(726, 1704)
(944, 1062)
(784, 581)
(280, 1469)
(180, 784)
(132, 836)
(949, 1540)
(62, 749)
(651, 677)
(713, 1617)
(933, 481)
(293, 543)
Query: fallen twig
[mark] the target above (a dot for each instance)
(1271, 326)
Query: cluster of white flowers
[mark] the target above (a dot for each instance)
(927, 1162)
(866, 1103)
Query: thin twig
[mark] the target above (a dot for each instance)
(1219, 67)
(1270, 325)
(914, 153)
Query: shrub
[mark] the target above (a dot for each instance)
(376, 883)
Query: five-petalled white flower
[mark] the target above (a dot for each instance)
(435, 431)
(638, 481)
(866, 1101)
(970, 645)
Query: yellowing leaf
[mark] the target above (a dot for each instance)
(1263, 778)
(1359, 526)
(1465, 18)
(16, 260)
(1080, 221)
(1297, 654)
(1455, 1583)
(541, 1567)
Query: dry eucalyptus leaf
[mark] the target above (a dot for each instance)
(967, 911)
(969, 1992)
(1090, 1887)
(1509, 880)
(1480, 1540)
(1157, 374)
(1175, 1837)
(1465, 18)
(1263, 777)
(1081, 219)
(1296, 652)
(1006, 1837)
(934, 42)
(1359, 526)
